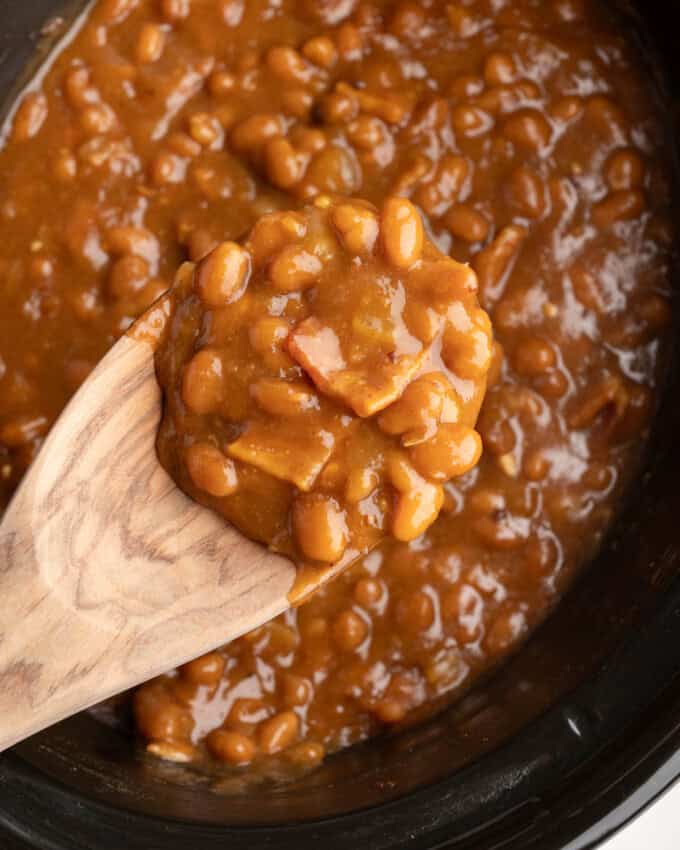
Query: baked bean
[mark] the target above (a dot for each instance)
(466, 223)
(587, 289)
(466, 86)
(279, 732)
(507, 98)
(221, 83)
(223, 274)
(205, 129)
(158, 717)
(368, 592)
(247, 711)
(390, 711)
(401, 232)
(606, 115)
(306, 754)
(283, 398)
(294, 268)
(360, 484)
(150, 43)
(183, 145)
(349, 630)
(128, 276)
(423, 322)
(415, 510)
(284, 166)
(137, 241)
(251, 133)
(297, 690)
(541, 555)
(321, 51)
(298, 102)
(232, 747)
(175, 751)
(486, 501)
(468, 354)
(452, 451)
(407, 20)
(624, 170)
(536, 466)
(528, 193)
(333, 170)
(272, 233)
(414, 612)
(210, 470)
(499, 69)
(528, 129)
(349, 43)
(471, 121)
(566, 108)
(497, 434)
(609, 398)
(114, 11)
(30, 117)
(206, 670)
(320, 527)
(461, 21)
(78, 88)
(655, 310)
(598, 476)
(436, 195)
(464, 606)
(534, 356)
(618, 206)
(358, 228)
(308, 139)
(388, 107)
(505, 631)
(501, 532)
(367, 132)
(493, 263)
(267, 337)
(202, 382)
(175, 10)
(423, 404)
(167, 168)
(287, 64)
(65, 166)
(97, 119)
(338, 108)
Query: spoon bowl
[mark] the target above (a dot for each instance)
(110, 574)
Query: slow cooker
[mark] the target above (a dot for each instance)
(577, 733)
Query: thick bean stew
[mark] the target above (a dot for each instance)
(524, 138)
(323, 380)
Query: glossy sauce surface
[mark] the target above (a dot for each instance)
(526, 134)
(322, 381)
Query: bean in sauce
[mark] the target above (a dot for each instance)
(528, 139)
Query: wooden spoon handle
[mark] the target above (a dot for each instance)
(108, 573)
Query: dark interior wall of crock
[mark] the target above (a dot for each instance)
(636, 572)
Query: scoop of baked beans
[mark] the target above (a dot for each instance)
(323, 378)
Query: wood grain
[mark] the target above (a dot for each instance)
(109, 575)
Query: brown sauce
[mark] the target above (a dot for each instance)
(526, 136)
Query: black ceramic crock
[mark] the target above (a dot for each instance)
(559, 749)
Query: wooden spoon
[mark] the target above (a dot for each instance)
(109, 574)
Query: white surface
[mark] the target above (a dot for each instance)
(657, 828)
